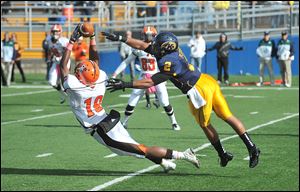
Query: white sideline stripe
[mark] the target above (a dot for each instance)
(111, 155)
(44, 155)
(253, 113)
(34, 118)
(68, 112)
(27, 93)
(244, 96)
(123, 178)
(29, 86)
(247, 158)
(251, 88)
(37, 110)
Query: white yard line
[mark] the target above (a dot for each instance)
(131, 175)
(27, 93)
(29, 86)
(34, 118)
(247, 158)
(251, 88)
(253, 113)
(44, 155)
(111, 155)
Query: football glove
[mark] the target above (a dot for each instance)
(117, 84)
(75, 35)
(114, 37)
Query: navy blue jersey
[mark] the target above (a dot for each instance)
(182, 74)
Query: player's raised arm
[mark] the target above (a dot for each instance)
(135, 43)
(66, 56)
(93, 54)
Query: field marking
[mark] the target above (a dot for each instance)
(37, 110)
(131, 175)
(34, 118)
(44, 155)
(251, 88)
(247, 158)
(111, 155)
(68, 112)
(253, 113)
(27, 93)
(29, 86)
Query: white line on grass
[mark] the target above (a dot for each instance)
(253, 113)
(34, 118)
(37, 110)
(251, 88)
(27, 93)
(123, 178)
(44, 155)
(29, 87)
(111, 155)
(247, 158)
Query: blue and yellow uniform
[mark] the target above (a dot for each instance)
(184, 76)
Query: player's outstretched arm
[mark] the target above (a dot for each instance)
(93, 54)
(135, 43)
(117, 84)
(66, 56)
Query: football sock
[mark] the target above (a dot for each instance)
(147, 98)
(219, 148)
(128, 112)
(170, 112)
(177, 155)
(246, 139)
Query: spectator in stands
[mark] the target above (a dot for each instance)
(163, 8)
(285, 55)
(46, 49)
(198, 46)
(8, 56)
(3, 78)
(223, 47)
(266, 50)
(221, 7)
(80, 50)
(18, 54)
(86, 9)
(151, 8)
(5, 7)
(125, 51)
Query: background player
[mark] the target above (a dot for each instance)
(148, 68)
(203, 91)
(56, 44)
(86, 91)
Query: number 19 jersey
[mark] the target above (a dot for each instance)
(86, 102)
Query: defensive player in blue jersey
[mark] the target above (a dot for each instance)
(203, 91)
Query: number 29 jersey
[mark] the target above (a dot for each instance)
(86, 102)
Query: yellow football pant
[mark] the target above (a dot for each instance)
(211, 92)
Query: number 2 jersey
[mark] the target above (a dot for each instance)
(86, 102)
(147, 61)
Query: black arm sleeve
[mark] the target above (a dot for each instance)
(160, 77)
(149, 49)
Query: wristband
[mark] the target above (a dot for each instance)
(128, 84)
(122, 38)
(93, 41)
(70, 46)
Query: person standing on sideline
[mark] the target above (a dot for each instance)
(18, 52)
(285, 54)
(198, 46)
(3, 78)
(223, 47)
(266, 50)
(8, 56)
(125, 51)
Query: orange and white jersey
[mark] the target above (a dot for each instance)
(147, 61)
(57, 48)
(86, 102)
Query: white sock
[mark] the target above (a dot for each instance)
(177, 155)
(173, 119)
(126, 118)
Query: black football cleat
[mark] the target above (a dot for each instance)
(225, 158)
(254, 155)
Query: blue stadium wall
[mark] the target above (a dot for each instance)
(245, 61)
